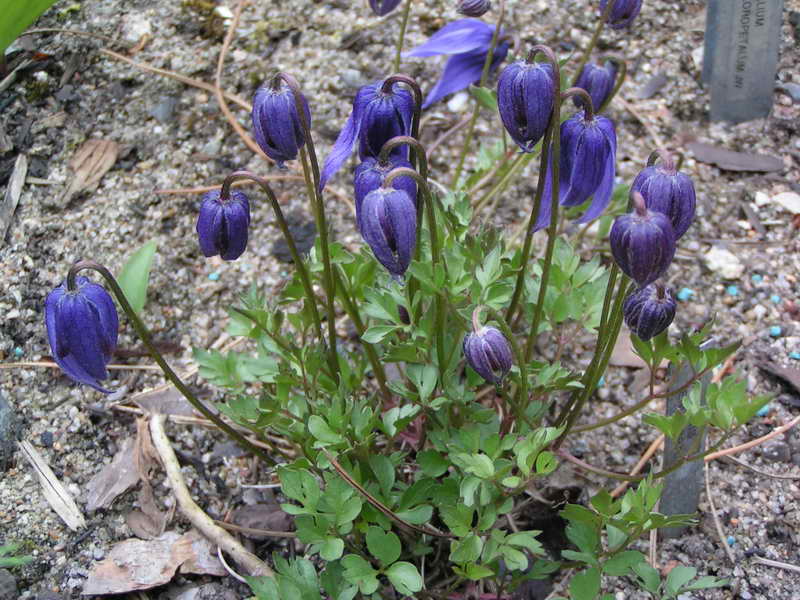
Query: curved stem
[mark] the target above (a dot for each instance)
(552, 231)
(622, 73)
(388, 83)
(588, 106)
(287, 235)
(550, 147)
(587, 52)
(487, 64)
(144, 335)
(312, 175)
(402, 36)
(406, 140)
(666, 159)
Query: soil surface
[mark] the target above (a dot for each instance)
(739, 263)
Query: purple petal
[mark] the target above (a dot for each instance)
(209, 224)
(457, 37)
(460, 71)
(341, 149)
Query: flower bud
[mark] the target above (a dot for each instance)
(473, 8)
(668, 191)
(383, 7)
(389, 225)
(370, 174)
(598, 81)
(649, 310)
(525, 100)
(277, 128)
(82, 330)
(488, 352)
(622, 13)
(222, 224)
(643, 243)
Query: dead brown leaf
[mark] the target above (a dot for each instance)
(734, 161)
(92, 160)
(135, 565)
(267, 516)
(165, 401)
(203, 557)
(146, 522)
(114, 479)
(9, 201)
(623, 354)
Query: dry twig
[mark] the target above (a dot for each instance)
(199, 519)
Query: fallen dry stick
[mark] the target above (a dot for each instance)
(753, 443)
(199, 519)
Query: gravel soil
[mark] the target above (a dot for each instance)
(172, 135)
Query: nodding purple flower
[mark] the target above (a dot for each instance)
(598, 81)
(277, 128)
(383, 7)
(473, 8)
(370, 174)
(667, 190)
(525, 101)
(377, 117)
(389, 225)
(222, 224)
(649, 310)
(488, 352)
(467, 42)
(622, 13)
(587, 167)
(82, 329)
(642, 243)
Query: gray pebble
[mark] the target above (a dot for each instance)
(777, 452)
(9, 429)
(165, 109)
(8, 586)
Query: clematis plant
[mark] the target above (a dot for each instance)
(413, 383)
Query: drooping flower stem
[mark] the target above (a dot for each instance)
(401, 38)
(311, 173)
(588, 106)
(415, 117)
(487, 64)
(144, 335)
(287, 235)
(352, 311)
(587, 52)
(605, 347)
(622, 73)
(551, 138)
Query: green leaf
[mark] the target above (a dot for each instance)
(375, 334)
(584, 536)
(678, 577)
(424, 377)
(135, 274)
(649, 577)
(359, 572)
(585, 585)
(265, 588)
(705, 582)
(546, 463)
(485, 97)
(622, 563)
(322, 431)
(466, 550)
(432, 463)
(405, 578)
(385, 546)
(17, 15)
(331, 549)
(384, 471)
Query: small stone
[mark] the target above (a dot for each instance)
(8, 586)
(794, 355)
(777, 452)
(731, 540)
(775, 331)
(732, 290)
(788, 200)
(724, 262)
(9, 428)
(213, 276)
(458, 102)
(46, 439)
(775, 299)
(685, 294)
(756, 278)
(134, 27)
(761, 198)
(763, 411)
(165, 109)
(18, 352)
(796, 459)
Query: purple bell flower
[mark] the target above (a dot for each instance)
(525, 101)
(277, 128)
(389, 225)
(642, 243)
(668, 191)
(622, 13)
(598, 81)
(377, 117)
(488, 352)
(467, 42)
(383, 7)
(587, 167)
(82, 330)
(369, 176)
(473, 8)
(223, 223)
(649, 310)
